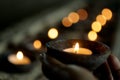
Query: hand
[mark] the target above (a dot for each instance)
(110, 70)
(114, 65)
(55, 70)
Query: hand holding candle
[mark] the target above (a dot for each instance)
(90, 55)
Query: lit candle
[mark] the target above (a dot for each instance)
(37, 44)
(18, 59)
(78, 50)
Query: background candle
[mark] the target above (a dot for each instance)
(78, 50)
(19, 59)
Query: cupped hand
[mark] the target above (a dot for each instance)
(55, 70)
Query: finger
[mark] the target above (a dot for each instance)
(79, 73)
(103, 72)
(55, 62)
(48, 60)
(54, 69)
(114, 64)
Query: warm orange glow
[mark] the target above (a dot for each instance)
(76, 49)
(96, 26)
(37, 44)
(53, 33)
(101, 19)
(73, 17)
(83, 14)
(19, 55)
(66, 22)
(92, 35)
(107, 13)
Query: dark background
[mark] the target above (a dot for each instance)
(12, 11)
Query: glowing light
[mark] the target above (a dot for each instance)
(66, 22)
(96, 26)
(19, 55)
(92, 35)
(101, 19)
(76, 49)
(53, 33)
(82, 14)
(37, 44)
(73, 17)
(107, 13)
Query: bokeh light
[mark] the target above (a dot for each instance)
(101, 19)
(82, 14)
(73, 17)
(92, 35)
(66, 22)
(96, 26)
(53, 33)
(107, 13)
(37, 44)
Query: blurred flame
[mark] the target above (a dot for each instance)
(19, 55)
(53, 33)
(92, 35)
(82, 14)
(76, 47)
(37, 44)
(107, 13)
(73, 17)
(101, 19)
(96, 26)
(66, 22)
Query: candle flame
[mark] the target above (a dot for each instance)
(73, 17)
(37, 44)
(53, 33)
(76, 47)
(92, 35)
(19, 55)
(66, 22)
(107, 13)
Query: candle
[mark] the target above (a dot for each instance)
(19, 59)
(78, 50)
(90, 55)
(37, 44)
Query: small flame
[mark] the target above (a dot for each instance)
(107, 13)
(37, 44)
(53, 33)
(73, 17)
(66, 22)
(19, 55)
(92, 35)
(76, 47)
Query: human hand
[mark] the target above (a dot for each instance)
(114, 65)
(110, 70)
(55, 70)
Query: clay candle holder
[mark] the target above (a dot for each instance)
(13, 64)
(97, 52)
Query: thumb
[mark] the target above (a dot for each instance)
(79, 73)
(54, 69)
